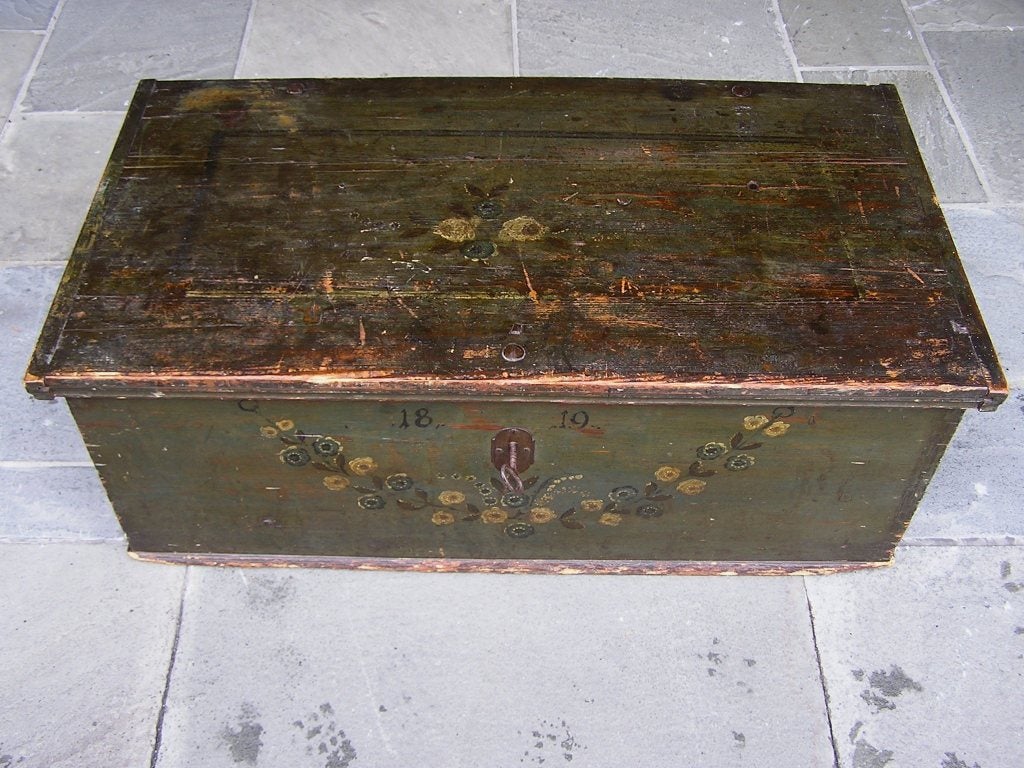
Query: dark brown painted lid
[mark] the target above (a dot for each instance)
(615, 239)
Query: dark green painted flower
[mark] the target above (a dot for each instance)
(371, 501)
(519, 530)
(514, 500)
(649, 511)
(399, 482)
(294, 456)
(478, 250)
(326, 446)
(710, 451)
(488, 209)
(623, 493)
(739, 461)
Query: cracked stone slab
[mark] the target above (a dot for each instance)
(332, 668)
(30, 429)
(86, 643)
(983, 72)
(19, 49)
(26, 14)
(828, 33)
(49, 168)
(967, 14)
(380, 38)
(922, 660)
(949, 166)
(101, 48)
(55, 503)
(728, 39)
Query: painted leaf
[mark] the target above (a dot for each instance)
(611, 506)
(660, 497)
(751, 447)
(530, 482)
(473, 508)
(363, 489)
(650, 489)
(471, 518)
(475, 191)
(423, 494)
(568, 513)
(497, 484)
(737, 439)
(406, 504)
(378, 482)
(573, 524)
(288, 441)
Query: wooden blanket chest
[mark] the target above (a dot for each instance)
(516, 324)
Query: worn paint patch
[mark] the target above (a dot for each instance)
(884, 686)
(866, 755)
(269, 590)
(208, 99)
(550, 740)
(740, 739)
(952, 761)
(324, 739)
(244, 738)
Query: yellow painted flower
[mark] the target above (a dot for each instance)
(442, 517)
(776, 429)
(364, 465)
(451, 498)
(494, 515)
(522, 229)
(268, 431)
(667, 474)
(692, 486)
(456, 230)
(541, 515)
(750, 423)
(337, 482)
(285, 425)
(592, 505)
(610, 518)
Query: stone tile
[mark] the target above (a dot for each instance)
(983, 72)
(49, 168)
(26, 14)
(827, 33)
(729, 39)
(30, 429)
(922, 661)
(19, 48)
(86, 643)
(991, 246)
(379, 38)
(99, 49)
(55, 503)
(307, 668)
(948, 164)
(967, 14)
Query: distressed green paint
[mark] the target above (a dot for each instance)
(818, 484)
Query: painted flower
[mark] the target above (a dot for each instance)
(649, 511)
(286, 425)
(610, 518)
(494, 515)
(371, 501)
(692, 486)
(776, 429)
(710, 451)
(456, 230)
(399, 482)
(442, 517)
(623, 493)
(739, 461)
(541, 515)
(451, 498)
(514, 500)
(479, 250)
(268, 431)
(591, 505)
(667, 474)
(326, 446)
(294, 456)
(337, 482)
(522, 229)
(750, 423)
(519, 530)
(364, 465)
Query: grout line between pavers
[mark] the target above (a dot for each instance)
(989, 206)
(39, 32)
(965, 139)
(787, 42)
(514, 10)
(74, 112)
(159, 732)
(953, 28)
(869, 68)
(976, 542)
(243, 46)
(29, 464)
(51, 540)
(821, 677)
(32, 68)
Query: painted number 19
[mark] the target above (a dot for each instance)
(577, 420)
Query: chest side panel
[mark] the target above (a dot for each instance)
(404, 479)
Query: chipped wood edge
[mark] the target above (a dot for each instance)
(551, 567)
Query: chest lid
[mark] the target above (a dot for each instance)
(555, 238)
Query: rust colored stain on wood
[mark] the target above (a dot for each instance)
(631, 239)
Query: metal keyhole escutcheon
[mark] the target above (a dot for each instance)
(512, 452)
